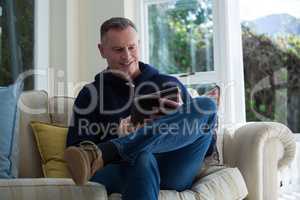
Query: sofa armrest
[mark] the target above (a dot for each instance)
(259, 150)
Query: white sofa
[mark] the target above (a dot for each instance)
(256, 150)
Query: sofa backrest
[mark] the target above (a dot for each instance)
(37, 106)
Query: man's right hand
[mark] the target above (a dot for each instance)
(126, 127)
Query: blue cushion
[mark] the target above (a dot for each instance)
(9, 97)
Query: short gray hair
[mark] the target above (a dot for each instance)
(119, 23)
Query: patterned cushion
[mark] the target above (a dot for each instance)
(213, 155)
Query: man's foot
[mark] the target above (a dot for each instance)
(83, 161)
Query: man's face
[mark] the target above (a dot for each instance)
(120, 49)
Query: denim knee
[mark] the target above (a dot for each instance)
(145, 165)
(145, 160)
(205, 105)
(143, 174)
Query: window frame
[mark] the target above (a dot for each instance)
(42, 44)
(228, 60)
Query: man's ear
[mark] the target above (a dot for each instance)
(101, 50)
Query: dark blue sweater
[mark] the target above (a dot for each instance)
(91, 119)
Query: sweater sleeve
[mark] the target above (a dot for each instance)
(78, 127)
(87, 123)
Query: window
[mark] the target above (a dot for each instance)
(199, 42)
(16, 40)
(180, 38)
(271, 51)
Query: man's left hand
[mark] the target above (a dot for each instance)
(165, 106)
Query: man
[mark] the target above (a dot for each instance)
(165, 152)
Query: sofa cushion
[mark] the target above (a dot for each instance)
(60, 109)
(225, 184)
(51, 142)
(33, 107)
(9, 119)
(214, 151)
(218, 183)
(49, 189)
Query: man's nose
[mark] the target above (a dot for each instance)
(126, 53)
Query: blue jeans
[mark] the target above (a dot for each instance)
(165, 154)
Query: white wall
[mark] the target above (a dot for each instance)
(74, 27)
(92, 14)
(58, 47)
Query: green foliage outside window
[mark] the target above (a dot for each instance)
(181, 36)
(277, 60)
(180, 41)
(22, 20)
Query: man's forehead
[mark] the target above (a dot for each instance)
(121, 36)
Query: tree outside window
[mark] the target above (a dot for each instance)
(16, 40)
(181, 41)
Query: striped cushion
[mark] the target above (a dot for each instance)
(219, 183)
(49, 189)
(225, 184)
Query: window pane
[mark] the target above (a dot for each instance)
(181, 36)
(271, 51)
(16, 40)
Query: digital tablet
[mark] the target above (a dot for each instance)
(143, 105)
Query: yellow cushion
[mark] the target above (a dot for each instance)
(51, 143)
